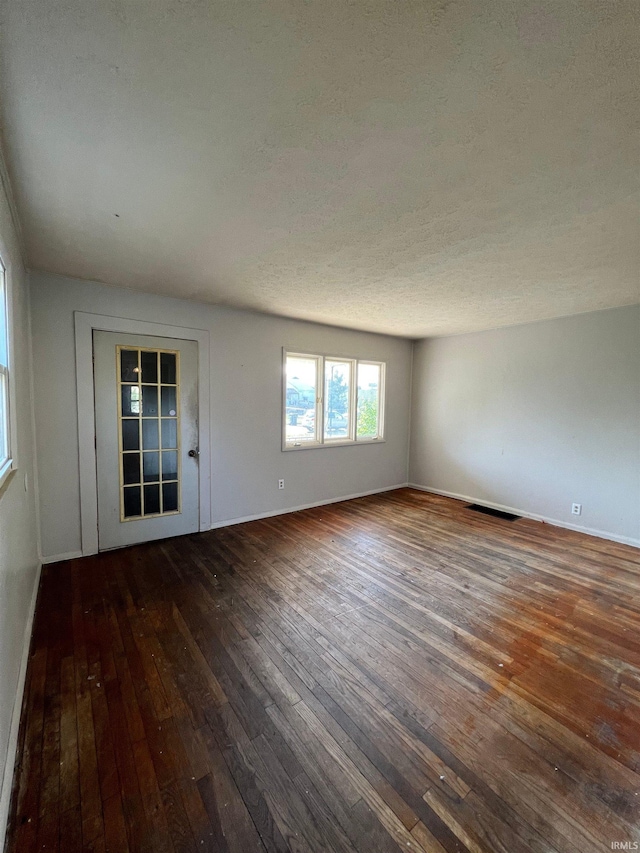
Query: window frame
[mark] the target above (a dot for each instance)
(8, 462)
(320, 441)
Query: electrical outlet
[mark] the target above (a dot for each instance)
(281, 484)
(576, 509)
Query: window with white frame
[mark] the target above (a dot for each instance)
(5, 456)
(330, 400)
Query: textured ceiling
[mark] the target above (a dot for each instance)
(403, 166)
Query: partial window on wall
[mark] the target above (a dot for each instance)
(369, 405)
(5, 454)
(331, 400)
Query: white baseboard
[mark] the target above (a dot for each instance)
(72, 555)
(228, 523)
(58, 558)
(7, 776)
(591, 531)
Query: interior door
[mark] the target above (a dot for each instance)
(146, 407)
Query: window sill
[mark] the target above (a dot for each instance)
(317, 446)
(6, 475)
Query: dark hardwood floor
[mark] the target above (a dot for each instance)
(390, 673)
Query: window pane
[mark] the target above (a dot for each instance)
(337, 379)
(169, 465)
(168, 368)
(4, 419)
(300, 405)
(149, 366)
(169, 433)
(132, 503)
(149, 401)
(130, 400)
(169, 497)
(151, 500)
(150, 435)
(151, 467)
(4, 364)
(368, 419)
(129, 365)
(130, 468)
(131, 435)
(169, 405)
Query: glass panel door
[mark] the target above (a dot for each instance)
(148, 432)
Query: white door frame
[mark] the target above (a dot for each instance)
(85, 324)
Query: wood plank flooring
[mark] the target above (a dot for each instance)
(390, 673)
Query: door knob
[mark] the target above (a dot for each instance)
(194, 453)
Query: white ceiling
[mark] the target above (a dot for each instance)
(404, 166)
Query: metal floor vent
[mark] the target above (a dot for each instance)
(496, 513)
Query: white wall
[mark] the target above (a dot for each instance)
(19, 562)
(246, 365)
(534, 418)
